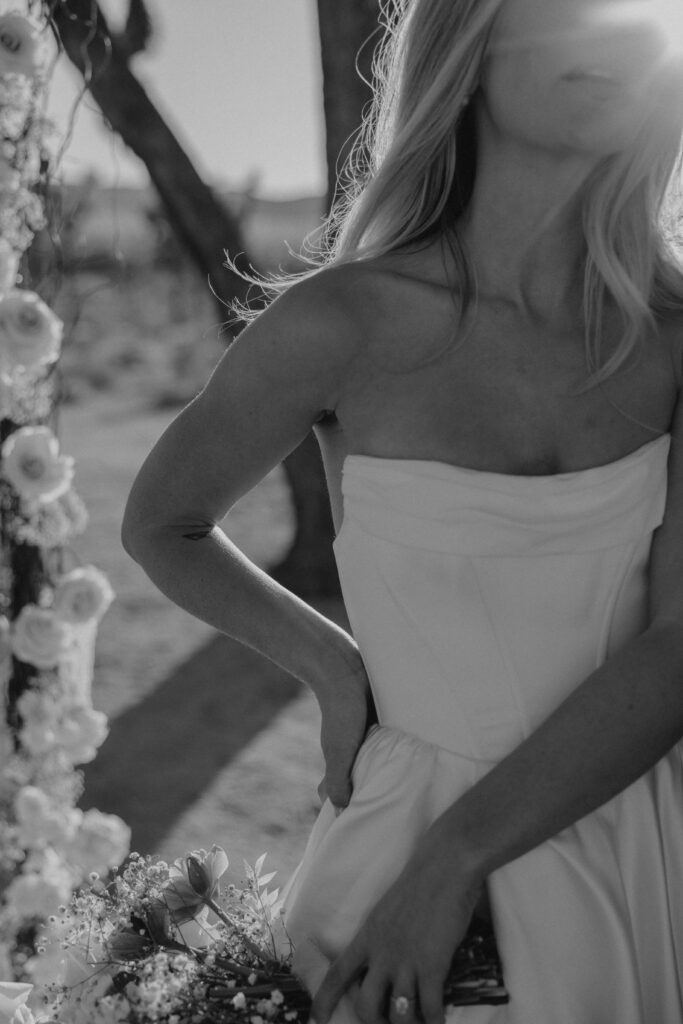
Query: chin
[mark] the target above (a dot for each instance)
(604, 135)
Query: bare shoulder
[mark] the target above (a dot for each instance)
(347, 322)
(402, 303)
(315, 322)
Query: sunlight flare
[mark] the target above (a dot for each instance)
(665, 17)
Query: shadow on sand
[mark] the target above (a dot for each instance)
(161, 754)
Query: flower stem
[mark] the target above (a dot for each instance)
(226, 919)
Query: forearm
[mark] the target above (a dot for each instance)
(612, 729)
(208, 576)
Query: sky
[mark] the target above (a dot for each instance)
(238, 81)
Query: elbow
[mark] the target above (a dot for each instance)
(137, 541)
(130, 538)
(142, 517)
(142, 533)
(134, 531)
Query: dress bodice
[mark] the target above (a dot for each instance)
(480, 600)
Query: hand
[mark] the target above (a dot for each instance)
(346, 708)
(405, 946)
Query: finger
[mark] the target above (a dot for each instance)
(403, 1002)
(344, 970)
(323, 795)
(338, 789)
(430, 995)
(370, 1002)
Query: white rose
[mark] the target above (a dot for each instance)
(21, 48)
(5, 633)
(39, 891)
(39, 637)
(80, 731)
(101, 842)
(30, 333)
(10, 179)
(32, 895)
(13, 994)
(16, 102)
(39, 715)
(9, 265)
(16, 90)
(82, 595)
(40, 822)
(38, 738)
(32, 464)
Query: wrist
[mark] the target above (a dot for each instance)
(338, 666)
(446, 847)
(439, 870)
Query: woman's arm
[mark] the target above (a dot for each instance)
(614, 727)
(260, 402)
(608, 733)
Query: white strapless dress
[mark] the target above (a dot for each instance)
(479, 601)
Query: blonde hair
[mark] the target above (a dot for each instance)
(413, 165)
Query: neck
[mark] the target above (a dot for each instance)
(523, 230)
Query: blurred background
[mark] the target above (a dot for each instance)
(183, 128)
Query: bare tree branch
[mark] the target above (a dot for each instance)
(137, 31)
(202, 223)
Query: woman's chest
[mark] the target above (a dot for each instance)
(502, 400)
(507, 399)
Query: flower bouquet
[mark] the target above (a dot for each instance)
(168, 944)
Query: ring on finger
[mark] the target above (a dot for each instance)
(402, 1004)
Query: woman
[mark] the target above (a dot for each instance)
(492, 355)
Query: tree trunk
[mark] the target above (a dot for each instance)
(202, 223)
(348, 35)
